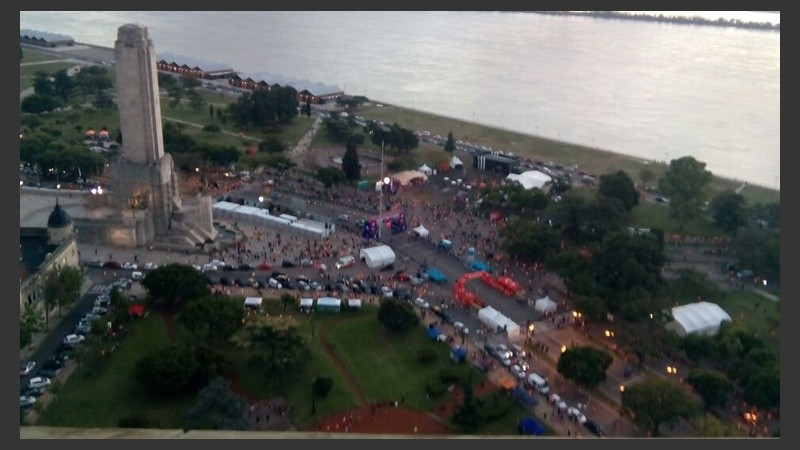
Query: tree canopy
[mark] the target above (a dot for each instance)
(172, 285)
(620, 186)
(685, 182)
(714, 387)
(397, 316)
(167, 371)
(728, 211)
(212, 320)
(655, 402)
(350, 163)
(219, 408)
(450, 145)
(585, 365)
(275, 107)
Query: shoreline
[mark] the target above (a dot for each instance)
(544, 148)
(549, 147)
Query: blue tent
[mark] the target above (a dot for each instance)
(480, 265)
(436, 276)
(458, 354)
(530, 426)
(524, 397)
(433, 333)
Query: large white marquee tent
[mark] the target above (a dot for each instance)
(530, 179)
(495, 320)
(235, 211)
(700, 317)
(377, 257)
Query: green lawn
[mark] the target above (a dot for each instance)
(32, 56)
(655, 215)
(761, 315)
(27, 73)
(384, 364)
(103, 399)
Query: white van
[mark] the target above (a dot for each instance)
(422, 303)
(539, 383)
(136, 275)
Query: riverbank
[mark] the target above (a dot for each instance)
(590, 160)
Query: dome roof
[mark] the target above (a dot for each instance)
(58, 218)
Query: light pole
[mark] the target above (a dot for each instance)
(383, 182)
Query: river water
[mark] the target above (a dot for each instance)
(656, 91)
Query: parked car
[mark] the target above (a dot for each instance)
(264, 266)
(461, 327)
(422, 303)
(26, 401)
(246, 267)
(38, 382)
(556, 400)
(594, 428)
(103, 300)
(387, 292)
(94, 263)
(225, 281)
(50, 373)
(99, 310)
(345, 261)
(73, 339)
(26, 367)
(52, 364)
(287, 264)
(111, 265)
(150, 266)
(129, 266)
(518, 372)
(576, 415)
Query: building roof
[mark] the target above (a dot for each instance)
(499, 158)
(58, 218)
(700, 317)
(34, 248)
(45, 36)
(191, 62)
(314, 87)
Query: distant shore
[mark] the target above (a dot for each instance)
(681, 20)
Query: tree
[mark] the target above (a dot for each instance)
(698, 347)
(330, 176)
(172, 285)
(654, 402)
(71, 280)
(190, 81)
(272, 144)
(628, 261)
(713, 387)
(195, 100)
(685, 182)
(210, 110)
(212, 320)
(287, 300)
(31, 321)
(42, 84)
(706, 425)
(322, 386)
(278, 351)
(763, 388)
(646, 175)
(92, 79)
(350, 164)
(584, 365)
(308, 108)
(53, 290)
(397, 316)
(467, 415)
(167, 371)
(530, 241)
(218, 408)
(62, 85)
(759, 250)
(728, 211)
(620, 186)
(450, 145)
(37, 104)
(587, 221)
(103, 101)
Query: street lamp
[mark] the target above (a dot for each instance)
(383, 182)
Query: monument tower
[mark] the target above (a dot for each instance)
(146, 183)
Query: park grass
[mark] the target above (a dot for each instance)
(655, 215)
(384, 364)
(101, 400)
(28, 73)
(31, 56)
(758, 315)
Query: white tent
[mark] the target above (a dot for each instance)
(456, 163)
(377, 257)
(253, 302)
(495, 320)
(354, 303)
(425, 169)
(306, 303)
(700, 317)
(544, 305)
(530, 179)
(421, 231)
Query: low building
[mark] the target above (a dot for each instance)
(307, 91)
(45, 39)
(208, 70)
(43, 250)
